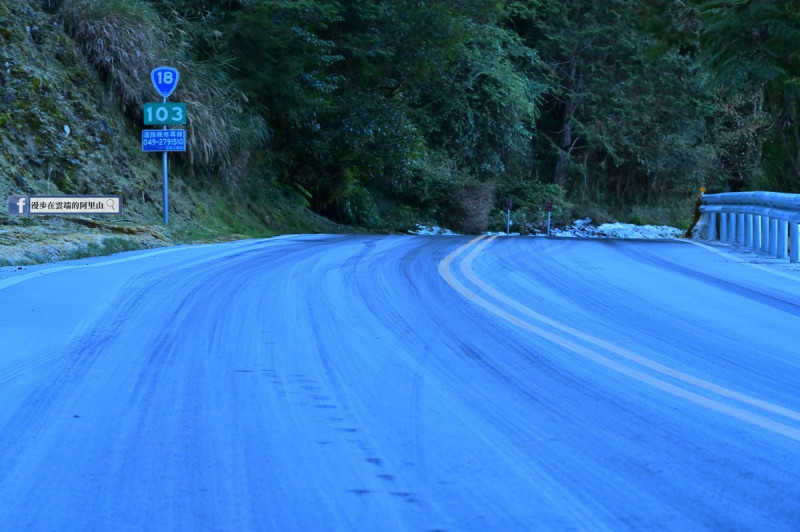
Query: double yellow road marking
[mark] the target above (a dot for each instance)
(627, 363)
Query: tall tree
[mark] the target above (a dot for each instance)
(754, 45)
(395, 97)
(619, 121)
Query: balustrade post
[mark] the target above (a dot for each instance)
(740, 228)
(773, 237)
(748, 230)
(783, 228)
(723, 227)
(711, 220)
(765, 233)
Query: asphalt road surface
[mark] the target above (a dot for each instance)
(401, 383)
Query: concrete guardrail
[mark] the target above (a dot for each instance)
(758, 220)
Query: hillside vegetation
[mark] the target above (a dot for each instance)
(382, 114)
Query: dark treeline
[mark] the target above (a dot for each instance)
(387, 112)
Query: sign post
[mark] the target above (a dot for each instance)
(164, 79)
(508, 216)
(549, 208)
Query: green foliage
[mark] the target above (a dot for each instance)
(369, 110)
(360, 208)
(480, 108)
(752, 42)
(751, 45)
(470, 206)
(739, 126)
(428, 188)
(622, 120)
(284, 62)
(529, 201)
(364, 95)
(675, 26)
(126, 39)
(677, 214)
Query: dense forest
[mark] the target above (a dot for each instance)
(384, 113)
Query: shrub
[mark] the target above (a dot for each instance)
(470, 205)
(529, 200)
(221, 134)
(125, 39)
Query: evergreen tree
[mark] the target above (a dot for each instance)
(752, 45)
(620, 121)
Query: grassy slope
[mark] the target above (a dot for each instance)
(45, 85)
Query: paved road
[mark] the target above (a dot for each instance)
(401, 383)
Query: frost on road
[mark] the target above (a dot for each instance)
(401, 383)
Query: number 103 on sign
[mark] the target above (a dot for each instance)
(164, 114)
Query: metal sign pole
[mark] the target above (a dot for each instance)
(166, 188)
(164, 79)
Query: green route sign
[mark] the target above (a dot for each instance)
(164, 114)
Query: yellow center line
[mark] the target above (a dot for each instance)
(738, 413)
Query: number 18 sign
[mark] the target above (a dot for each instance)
(165, 79)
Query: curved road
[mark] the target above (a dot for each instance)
(401, 383)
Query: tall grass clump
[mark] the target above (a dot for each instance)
(125, 39)
(223, 133)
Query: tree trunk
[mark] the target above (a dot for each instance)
(565, 137)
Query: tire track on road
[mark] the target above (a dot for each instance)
(500, 305)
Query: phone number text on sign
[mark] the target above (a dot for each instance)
(164, 140)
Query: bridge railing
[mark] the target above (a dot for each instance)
(763, 221)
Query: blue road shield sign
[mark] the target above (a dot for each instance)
(165, 79)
